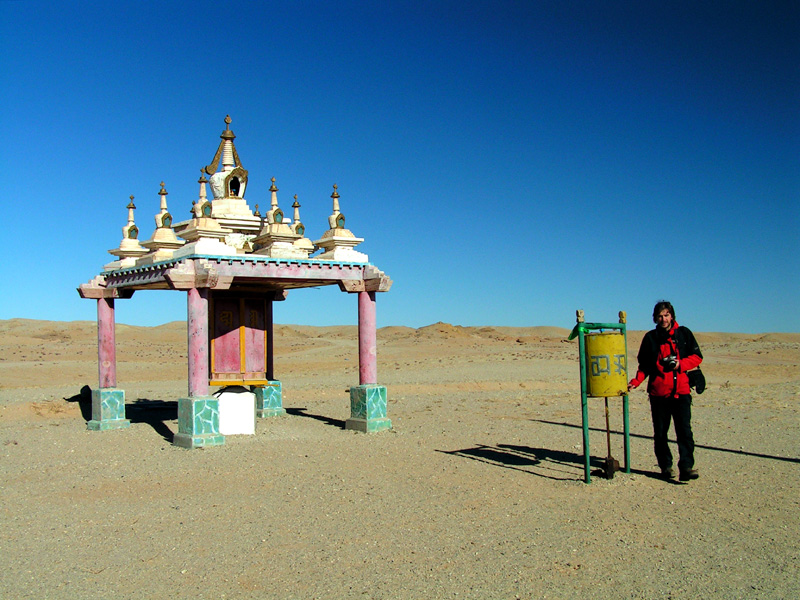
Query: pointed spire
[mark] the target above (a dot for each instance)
(335, 196)
(163, 218)
(296, 207)
(300, 229)
(129, 248)
(163, 240)
(336, 220)
(197, 205)
(274, 189)
(227, 146)
(131, 207)
(163, 193)
(227, 134)
(226, 151)
(202, 181)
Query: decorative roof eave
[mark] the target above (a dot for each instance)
(97, 289)
(222, 272)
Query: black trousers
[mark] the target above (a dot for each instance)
(678, 410)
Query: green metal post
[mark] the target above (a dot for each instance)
(584, 409)
(626, 425)
(623, 320)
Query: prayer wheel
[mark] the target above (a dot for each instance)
(606, 368)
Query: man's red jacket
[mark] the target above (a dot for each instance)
(657, 345)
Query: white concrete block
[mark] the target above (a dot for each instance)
(237, 411)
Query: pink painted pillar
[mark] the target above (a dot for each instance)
(198, 341)
(367, 339)
(268, 324)
(106, 343)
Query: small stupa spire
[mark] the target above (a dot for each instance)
(335, 196)
(202, 181)
(163, 241)
(274, 190)
(336, 220)
(276, 238)
(296, 207)
(129, 248)
(302, 243)
(131, 207)
(160, 216)
(338, 243)
(202, 199)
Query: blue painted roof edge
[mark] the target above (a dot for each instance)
(241, 258)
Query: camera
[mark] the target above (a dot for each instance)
(670, 363)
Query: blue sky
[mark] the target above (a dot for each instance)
(507, 162)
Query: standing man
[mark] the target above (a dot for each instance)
(666, 353)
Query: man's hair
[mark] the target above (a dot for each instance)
(661, 305)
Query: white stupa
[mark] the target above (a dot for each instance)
(164, 242)
(228, 186)
(203, 233)
(338, 243)
(276, 238)
(129, 248)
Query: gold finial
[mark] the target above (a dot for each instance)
(579, 315)
(202, 177)
(227, 134)
(130, 204)
(335, 193)
(256, 213)
(296, 203)
(623, 317)
(272, 188)
(162, 191)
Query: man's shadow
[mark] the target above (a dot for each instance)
(542, 462)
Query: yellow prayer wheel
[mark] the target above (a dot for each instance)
(606, 364)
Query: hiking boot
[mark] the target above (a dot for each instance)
(689, 475)
(668, 473)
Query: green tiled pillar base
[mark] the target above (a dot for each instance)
(269, 400)
(368, 409)
(108, 410)
(198, 423)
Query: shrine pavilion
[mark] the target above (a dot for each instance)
(233, 263)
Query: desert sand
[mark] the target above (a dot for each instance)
(476, 492)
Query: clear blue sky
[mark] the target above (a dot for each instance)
(507, 162)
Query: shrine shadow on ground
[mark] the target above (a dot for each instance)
(301, 412)
(84, 400)
(155, 413)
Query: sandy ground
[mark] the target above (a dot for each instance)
(477, 492)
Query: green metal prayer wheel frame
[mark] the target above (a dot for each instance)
(579, 331)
